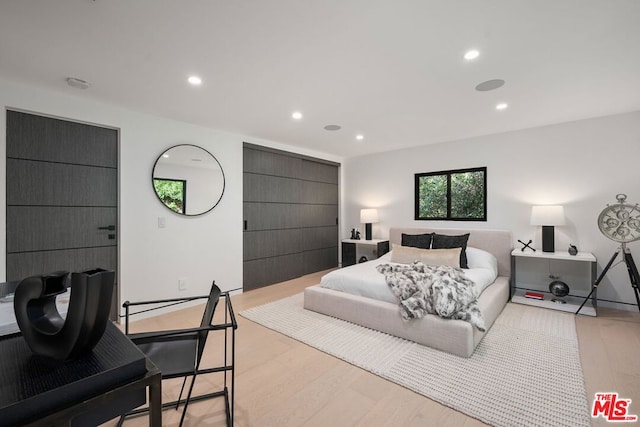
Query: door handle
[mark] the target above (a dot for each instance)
(108, 227)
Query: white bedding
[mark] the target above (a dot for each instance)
(364, 280)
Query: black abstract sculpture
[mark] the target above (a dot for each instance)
(45, 331)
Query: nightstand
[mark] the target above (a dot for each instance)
(350, 249)
(530, 273)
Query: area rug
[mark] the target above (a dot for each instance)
(526, 371)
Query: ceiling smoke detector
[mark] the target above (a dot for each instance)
(490, 85)
(77, 83)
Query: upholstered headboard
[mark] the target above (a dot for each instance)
(497, 242)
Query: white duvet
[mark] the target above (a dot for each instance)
(364, 280)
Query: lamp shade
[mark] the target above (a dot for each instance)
(367, 216)
(547, 215)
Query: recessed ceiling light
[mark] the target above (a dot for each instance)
(77, 83)
(297, 115)
(166, 156)
(502, 106)
(490, 85)
(332, 127)
(359, 137)
(194, 80)
(472, 54)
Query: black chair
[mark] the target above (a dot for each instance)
(178, 353)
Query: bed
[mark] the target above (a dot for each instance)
(378, 312)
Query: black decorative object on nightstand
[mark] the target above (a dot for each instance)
(559, 289)
(526, 245)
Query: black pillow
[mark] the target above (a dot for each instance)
(422, 241)
(441, 241)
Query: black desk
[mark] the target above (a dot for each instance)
(109, 381)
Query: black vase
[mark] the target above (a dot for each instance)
(45, 331)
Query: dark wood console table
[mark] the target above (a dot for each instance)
(87, 391)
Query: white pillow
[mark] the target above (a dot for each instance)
(408, 254)
(477, 258)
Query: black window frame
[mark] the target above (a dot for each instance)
(448, 174)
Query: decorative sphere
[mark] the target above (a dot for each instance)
(559, 288)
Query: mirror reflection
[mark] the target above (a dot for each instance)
(188, 180)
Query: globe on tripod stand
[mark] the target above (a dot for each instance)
(559, 289)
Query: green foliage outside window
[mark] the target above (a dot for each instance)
(433, 196)
(452, 195)
(171, 192)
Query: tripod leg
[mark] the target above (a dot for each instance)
(586, 299)
(599, 279)
(633, 274)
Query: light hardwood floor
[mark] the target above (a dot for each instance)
(282, 382)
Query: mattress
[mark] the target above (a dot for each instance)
(365, 280)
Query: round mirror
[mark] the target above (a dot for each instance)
(188, 180)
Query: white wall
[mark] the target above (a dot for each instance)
(581, 165)
(152, 259)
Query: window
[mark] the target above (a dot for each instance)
(457, 195)
(172, 192)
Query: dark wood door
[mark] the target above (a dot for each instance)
(62, 196)
(290, 216)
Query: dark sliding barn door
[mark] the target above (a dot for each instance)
(62, 196)
(290, 216)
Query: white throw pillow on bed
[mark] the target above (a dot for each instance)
(477, 258)
(408, 254)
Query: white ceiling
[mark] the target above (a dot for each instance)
(391, 70)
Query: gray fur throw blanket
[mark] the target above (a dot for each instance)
(441, 290)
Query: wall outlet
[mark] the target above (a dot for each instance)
(162, 223)
(182, 284)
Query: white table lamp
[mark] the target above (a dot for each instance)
(547, 217)
(368, 216)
